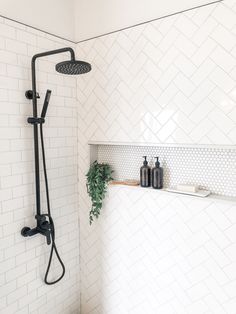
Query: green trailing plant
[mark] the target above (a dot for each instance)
(98, 177)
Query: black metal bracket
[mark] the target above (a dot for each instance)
(33, 120)
(44, 227)
(29, 94)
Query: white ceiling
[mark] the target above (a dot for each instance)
(93, 18)
(82, 19)
(53, 16)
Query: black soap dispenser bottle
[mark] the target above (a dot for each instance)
(157, 175)
(145, 174)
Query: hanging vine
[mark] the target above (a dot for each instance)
(98, 177)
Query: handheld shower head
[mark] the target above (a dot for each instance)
(73, 67)
(46, 102)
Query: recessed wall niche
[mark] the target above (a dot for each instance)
(210, 168)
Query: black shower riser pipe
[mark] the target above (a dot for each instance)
(35, 115)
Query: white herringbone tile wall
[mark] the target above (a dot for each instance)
(171, 81)
(23, 261)
(156, 252)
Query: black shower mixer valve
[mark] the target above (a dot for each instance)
(44, 227)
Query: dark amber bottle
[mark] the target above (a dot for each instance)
(145, 174)
(157, 175)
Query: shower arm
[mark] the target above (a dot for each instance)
(37, 120)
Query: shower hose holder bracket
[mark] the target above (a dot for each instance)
(32, 120)
(29, 94)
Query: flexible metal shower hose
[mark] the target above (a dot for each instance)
(53, 245)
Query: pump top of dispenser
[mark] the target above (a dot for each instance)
(157, 163)
(145, 163)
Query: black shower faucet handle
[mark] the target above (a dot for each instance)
(43, 227)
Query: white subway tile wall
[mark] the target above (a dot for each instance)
(171, 81)
(23, 261)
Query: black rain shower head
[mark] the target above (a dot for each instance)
(73, 67)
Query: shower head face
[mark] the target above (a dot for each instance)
(73, 67)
